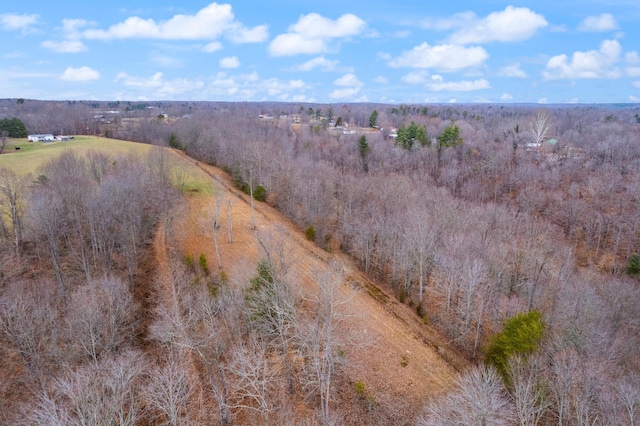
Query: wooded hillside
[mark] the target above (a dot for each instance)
(499, 211)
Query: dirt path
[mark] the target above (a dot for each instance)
(399, 356)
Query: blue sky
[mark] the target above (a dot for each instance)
(331, 51)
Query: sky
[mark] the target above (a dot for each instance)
(567, 51)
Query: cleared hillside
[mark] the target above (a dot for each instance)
(397, 358)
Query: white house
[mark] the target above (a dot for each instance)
(48, 137)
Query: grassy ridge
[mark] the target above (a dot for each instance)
(33, 155)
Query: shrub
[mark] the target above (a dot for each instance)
(310, 233)
(260, 193)
(203, 263)
(633, 268)
(188, 260)
(365, 396)
(175, 143)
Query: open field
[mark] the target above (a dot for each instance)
(33, 155)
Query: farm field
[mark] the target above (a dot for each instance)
(33, 155)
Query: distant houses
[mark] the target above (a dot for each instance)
(47, 137)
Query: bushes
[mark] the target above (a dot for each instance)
(521, 335)
(310, 233)
(633, 268)
(260, 193)
(203, 263)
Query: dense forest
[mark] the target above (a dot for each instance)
(490, 221)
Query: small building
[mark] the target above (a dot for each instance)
(44, 137)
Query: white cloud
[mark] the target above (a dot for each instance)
(222, 85)
(64, 46)
(313, 33)
(208, 23)
(381, 79)
(73, 26)
(178, 87)
(348, 80)
(320, 62)
(458, 20)
(80, 74)
(250, 35)
(315, 26)
(345, 93)
(636, 84)
(131, 81)
(157, 87)
(295, 44)
(590, 64)
(214, 46)
(603, 22)
(512, 71)
(633, 59)
(229, 62)
(438, 85)
(633, 71)
(281, 89)
(71, 42)
(445, 57)
(416, 77)
(349, 88)
(542, 101)
(13, 21)
(166, 61)
(506, 97)
(511, 24)
(634, 98)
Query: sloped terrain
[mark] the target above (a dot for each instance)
(393, 354)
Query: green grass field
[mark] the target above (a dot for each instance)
(33, 155)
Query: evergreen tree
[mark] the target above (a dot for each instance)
(521, 335)
(363, 149)
(373, 118)
(14, 127)
(408, 135)
(450, 136)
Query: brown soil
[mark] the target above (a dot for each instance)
(396, 356)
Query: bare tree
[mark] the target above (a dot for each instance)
(479, 398)
(97, 394)
(530, 397)
(3, 140)
(628, 395)
(26, 320)
(169, 391)
(540, 126)
(325, 337)
(210, 224)
(422, 240)
(229, 201)
(252, 378)
(101, 316)
(12, 194)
